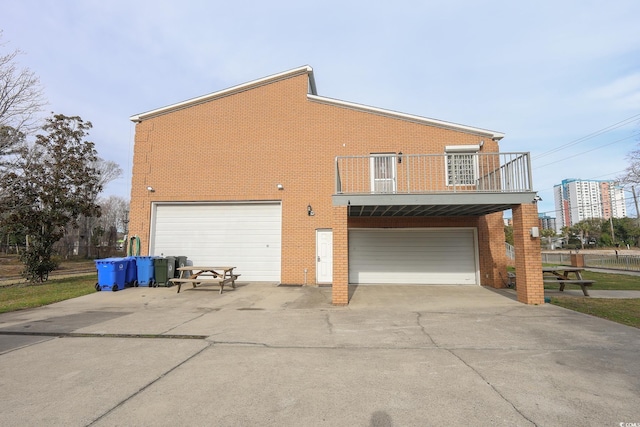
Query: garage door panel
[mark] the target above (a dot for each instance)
(412, 256)
(245, 235)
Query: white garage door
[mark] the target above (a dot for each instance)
(443, 256)
(242, 235)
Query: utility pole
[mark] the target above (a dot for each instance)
(613, 237)
(635, 200)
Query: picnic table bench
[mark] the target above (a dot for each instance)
(212, 275)
(560, 275)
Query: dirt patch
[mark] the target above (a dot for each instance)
(11, 267)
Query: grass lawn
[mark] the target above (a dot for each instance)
(606, 281)
(19, 297)
(625, 311)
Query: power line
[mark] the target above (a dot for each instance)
(588, 151)
(587, 137)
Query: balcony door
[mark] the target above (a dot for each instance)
(383, 173)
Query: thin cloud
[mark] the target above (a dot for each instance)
(622, 93)
(543, 72)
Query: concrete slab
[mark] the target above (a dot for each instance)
(74, 381)
(13, 342)
(268, 355)
(63, 323)
(584, 385)
(230, 385)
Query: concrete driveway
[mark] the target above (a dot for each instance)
(267, 355)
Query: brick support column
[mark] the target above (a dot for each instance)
(493, 259)
(340, 287)
(529, 283)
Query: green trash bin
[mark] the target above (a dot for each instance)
(163, 268)
(181, 261)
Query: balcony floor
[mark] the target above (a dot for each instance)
(440, 204)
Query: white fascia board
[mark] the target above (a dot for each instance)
(462, 148)
(496, 136)
(226, 92)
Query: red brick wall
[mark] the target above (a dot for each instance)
(241, 146)
(340, 288)
(493, 256)
(529, 283)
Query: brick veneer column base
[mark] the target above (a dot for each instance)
(529, 283)
(340, 288)
(493, 259)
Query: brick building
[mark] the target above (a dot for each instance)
(295, 188)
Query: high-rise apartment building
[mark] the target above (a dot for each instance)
(547, 222)
(577, 200)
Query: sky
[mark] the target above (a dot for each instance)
(548, 74)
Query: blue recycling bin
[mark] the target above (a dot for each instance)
(131, 273)
(145, 270)
(111, 274)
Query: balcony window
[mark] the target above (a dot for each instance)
(462, 166)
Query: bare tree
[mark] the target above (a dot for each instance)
(114, 212)
(632, 172)
(107, 171)
(93, 231)
(21, 99)
(21, 96)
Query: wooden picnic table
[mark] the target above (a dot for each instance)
(560, 274)
(205, 275)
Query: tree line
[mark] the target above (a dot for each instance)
(51, 176)
(592, 232)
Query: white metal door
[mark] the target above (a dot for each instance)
(383, 173)
(438, 256)
(243, 235)
(324, 256)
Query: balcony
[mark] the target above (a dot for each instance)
(451, 184)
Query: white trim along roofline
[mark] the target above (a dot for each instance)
(313, 96)
(409, 117)
(226, 92)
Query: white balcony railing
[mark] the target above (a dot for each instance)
(434, 173)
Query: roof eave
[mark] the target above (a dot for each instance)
(226, 92)
(496, 136)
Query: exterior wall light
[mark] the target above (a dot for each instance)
(280, 187)
(310, 211)
(150, 189)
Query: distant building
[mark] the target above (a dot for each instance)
(547, 222)
(577, 200)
